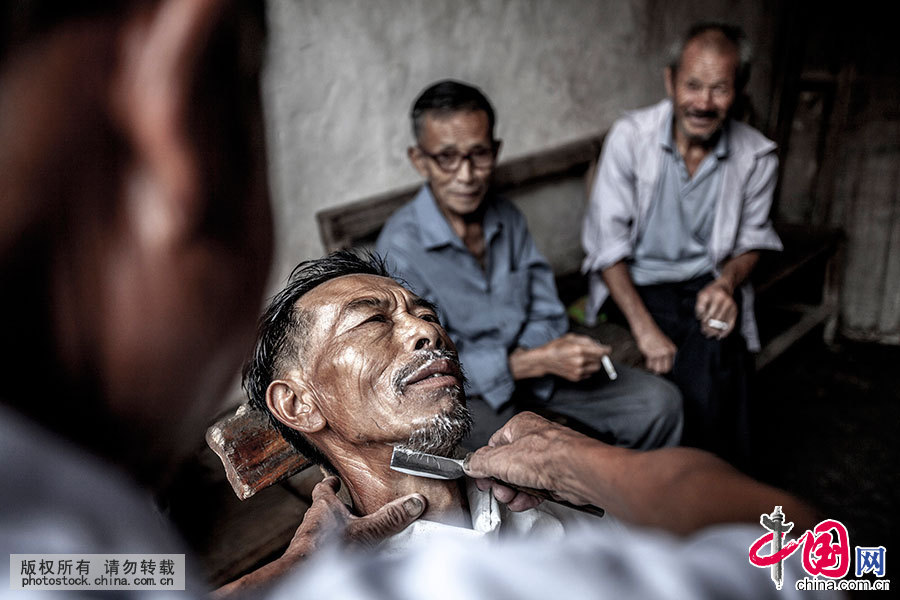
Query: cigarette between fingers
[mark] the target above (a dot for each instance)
(608, 367)
(717, 324)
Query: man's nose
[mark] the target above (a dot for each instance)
(465, 172)
(706, 99)
(425, 335)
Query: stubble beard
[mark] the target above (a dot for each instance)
(442, 433)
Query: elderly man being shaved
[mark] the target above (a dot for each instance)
(350, 364)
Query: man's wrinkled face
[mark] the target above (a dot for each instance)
(702, 91)
(459, 191)
(379, 362)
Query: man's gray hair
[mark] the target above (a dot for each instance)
(732, 33)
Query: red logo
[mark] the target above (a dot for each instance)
(826, 550)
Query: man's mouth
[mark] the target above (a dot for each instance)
(434, 371)
(467, 193)
(703, 117)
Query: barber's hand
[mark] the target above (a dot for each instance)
(328, 518)
(658, 350)
(514, 500)
(573, 357)
(716, 310)
(530, 451)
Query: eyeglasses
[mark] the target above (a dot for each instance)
(450, 160)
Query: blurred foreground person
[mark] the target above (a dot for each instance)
(134, 224)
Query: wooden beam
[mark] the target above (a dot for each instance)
(802, 246)
(812, 317)
(253, 452)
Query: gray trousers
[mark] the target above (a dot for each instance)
(637, 410)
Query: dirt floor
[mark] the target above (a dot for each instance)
(827, 427)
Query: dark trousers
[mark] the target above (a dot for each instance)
(711, 374)
(637, 410)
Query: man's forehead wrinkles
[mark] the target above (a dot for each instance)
(365, 302)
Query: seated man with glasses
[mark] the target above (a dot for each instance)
(470, 252)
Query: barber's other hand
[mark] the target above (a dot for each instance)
(530, 451)
(328, 518)
(715, 303)
(658, 350)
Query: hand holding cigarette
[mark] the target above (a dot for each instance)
(572, 356)
(716, 310)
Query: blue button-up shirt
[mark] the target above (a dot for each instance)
(511, 303)
(673, 244)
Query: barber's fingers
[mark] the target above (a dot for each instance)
(518, 426)
(390, 519)
(523, 501)
(515, 500)
(326, 488)
(503, 461)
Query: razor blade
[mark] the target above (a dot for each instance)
(422, 464)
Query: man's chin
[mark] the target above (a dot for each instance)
(441, 433)
(701, 135)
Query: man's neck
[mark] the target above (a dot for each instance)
(693, 151)
(372, 484)
(470, 229)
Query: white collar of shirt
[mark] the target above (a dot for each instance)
(492, 520)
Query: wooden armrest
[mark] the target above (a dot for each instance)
(255, 455)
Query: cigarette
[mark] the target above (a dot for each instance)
(717, 324)
(608, 367)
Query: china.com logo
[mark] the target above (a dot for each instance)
(825, 552)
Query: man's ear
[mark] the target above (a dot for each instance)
(293, 403)
(160, 60)
(669, 76)
(419, 161)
